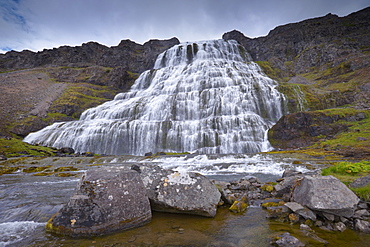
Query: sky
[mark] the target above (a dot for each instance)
(45, 24)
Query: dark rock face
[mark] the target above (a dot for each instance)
(313, 42)
(128, 55)
(326, 194)
(303, 128)
(106, 200)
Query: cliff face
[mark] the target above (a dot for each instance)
(127, 55)
(301, 47)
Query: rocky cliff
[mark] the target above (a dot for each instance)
(128, 56)
(320, 63)
(39, 88)
(312, 44)
(326, 58)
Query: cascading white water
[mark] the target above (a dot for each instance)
(205, 96)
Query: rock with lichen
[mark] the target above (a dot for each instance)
(186, 192)
(106, 200)
(326, 194)
(179, 191)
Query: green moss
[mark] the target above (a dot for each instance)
(357, 136)
(239, 206)
(271, 71)
(363, 192)
(65, 168)
(80, 97)
(66, 174)
(348, 168)
(7, 170)
(347, 172)
(270, 204)
(267, 187)
(15, 147)
(33, 169)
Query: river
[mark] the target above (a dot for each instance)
(28, 201)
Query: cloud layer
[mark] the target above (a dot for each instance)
(40, 24)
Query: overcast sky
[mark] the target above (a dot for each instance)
(39, 24)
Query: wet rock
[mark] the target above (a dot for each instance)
(326, 194)
(362, 226)
(66, 150)
(239, 206)
(2, 157)
(361, 214)
(106, 200)
(301, 210)
(287, 240)
(340, 226)
(329, 217)
(250, 188)
(291, 173)
(305, 227)
(280, 213)
(284, 188)
(313, 236)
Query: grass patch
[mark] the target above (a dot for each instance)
(15, 147)
(348, 169)
(80, 97)
(363, 193)
(357, 136)
(347, 172)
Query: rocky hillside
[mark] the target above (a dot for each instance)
(39, 88)
(327, 58)
(320, 63)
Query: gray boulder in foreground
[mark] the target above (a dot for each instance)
(106, 200)
(326, 194)
(180, 192)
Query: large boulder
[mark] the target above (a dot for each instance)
(180, 192)
(106, 200)
(325, 194)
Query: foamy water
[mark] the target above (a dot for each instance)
(13, 232)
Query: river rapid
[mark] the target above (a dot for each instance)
(28, 201)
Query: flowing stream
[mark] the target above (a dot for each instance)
(206, 96)
(27, 201)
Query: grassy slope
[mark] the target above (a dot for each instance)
(76, 98)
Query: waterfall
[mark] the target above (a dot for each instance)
(206, 96)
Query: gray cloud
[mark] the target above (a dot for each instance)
(39, 24)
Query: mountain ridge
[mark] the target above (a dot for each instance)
(324, 59)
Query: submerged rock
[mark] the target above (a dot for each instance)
(326, 194)
(301, 210)
(287, 240)
(106, 200)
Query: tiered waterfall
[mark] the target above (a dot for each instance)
(204, 96)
